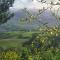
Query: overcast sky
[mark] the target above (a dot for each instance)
(18, 4)
(21, 3)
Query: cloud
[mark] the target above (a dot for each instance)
(19, 4)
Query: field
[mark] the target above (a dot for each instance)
(14, 39)
(8, 43)
(37, 45)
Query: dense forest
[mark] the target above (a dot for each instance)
(38, 35)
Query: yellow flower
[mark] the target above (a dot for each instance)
(51, 33)
(56, 34)
(30, 58)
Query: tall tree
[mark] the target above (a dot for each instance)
(4, 10)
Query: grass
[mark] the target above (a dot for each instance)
(12, 35)
(44, 45)
(14, 39)
(7, 43)
(16, 35)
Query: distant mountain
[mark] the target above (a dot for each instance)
(14, 23)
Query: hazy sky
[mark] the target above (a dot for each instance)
(18, 4)
(21, 3)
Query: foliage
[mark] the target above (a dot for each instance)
(44, 45)
(4, 7)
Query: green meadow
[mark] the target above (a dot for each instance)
(37, 45)
(14, 39)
